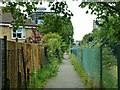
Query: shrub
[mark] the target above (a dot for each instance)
(35, 38)
(54, 44)
(40, 78)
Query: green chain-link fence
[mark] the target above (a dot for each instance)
(100, 64)
(109, 68)
(90, 60)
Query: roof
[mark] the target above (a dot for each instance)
(7, 19)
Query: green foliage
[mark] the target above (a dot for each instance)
(110, 78)
(109, 51)
(102, 9)
(20, 15)
(57, 24)
(109, 61)
(40, 78)
(54, 44)
(110, 28)
(109, 13)
(80, 70)
(61, 8)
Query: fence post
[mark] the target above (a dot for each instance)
(101, 84)
(24, 67)
(5, 61)
(17, 52)
(1, 81)
(118, 63)
(45, 52)
(32, 56)
(18, 81)
(101, 66)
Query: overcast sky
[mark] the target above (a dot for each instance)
(82, 22)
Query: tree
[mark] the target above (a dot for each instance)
(57, 24)
(20, 15)
(61, 8)
(109, 12)
(104, 10)
(54, 44)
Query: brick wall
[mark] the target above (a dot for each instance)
(7, 31)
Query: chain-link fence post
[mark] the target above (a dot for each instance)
(101, 66)
(118, 63)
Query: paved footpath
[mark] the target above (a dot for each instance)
(67, 77)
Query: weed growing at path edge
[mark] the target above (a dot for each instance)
(79, 69)
(40, 78)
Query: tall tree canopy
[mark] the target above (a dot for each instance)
(58, 24)
(103, 9)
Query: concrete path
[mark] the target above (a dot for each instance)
(67, 77)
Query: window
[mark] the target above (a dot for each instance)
(20, 33)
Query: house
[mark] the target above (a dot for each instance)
(7, 30)
(40, 12)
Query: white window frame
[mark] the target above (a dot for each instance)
(22, 37)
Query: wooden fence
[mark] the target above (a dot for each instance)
(2, 63)
(21, 60)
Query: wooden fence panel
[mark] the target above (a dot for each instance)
(42, 55)
(29, 66)
(39, 56)
(21, 69)
(35, 54)
(12, 69)
(33, 59)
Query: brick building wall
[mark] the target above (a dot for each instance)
(7, 31)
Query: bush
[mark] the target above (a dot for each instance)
(54, 44)
(39, 79)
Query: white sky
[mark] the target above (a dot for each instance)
(82, 22)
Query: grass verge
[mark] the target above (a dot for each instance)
(80, 70)
(40, 78)
(110, 78)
